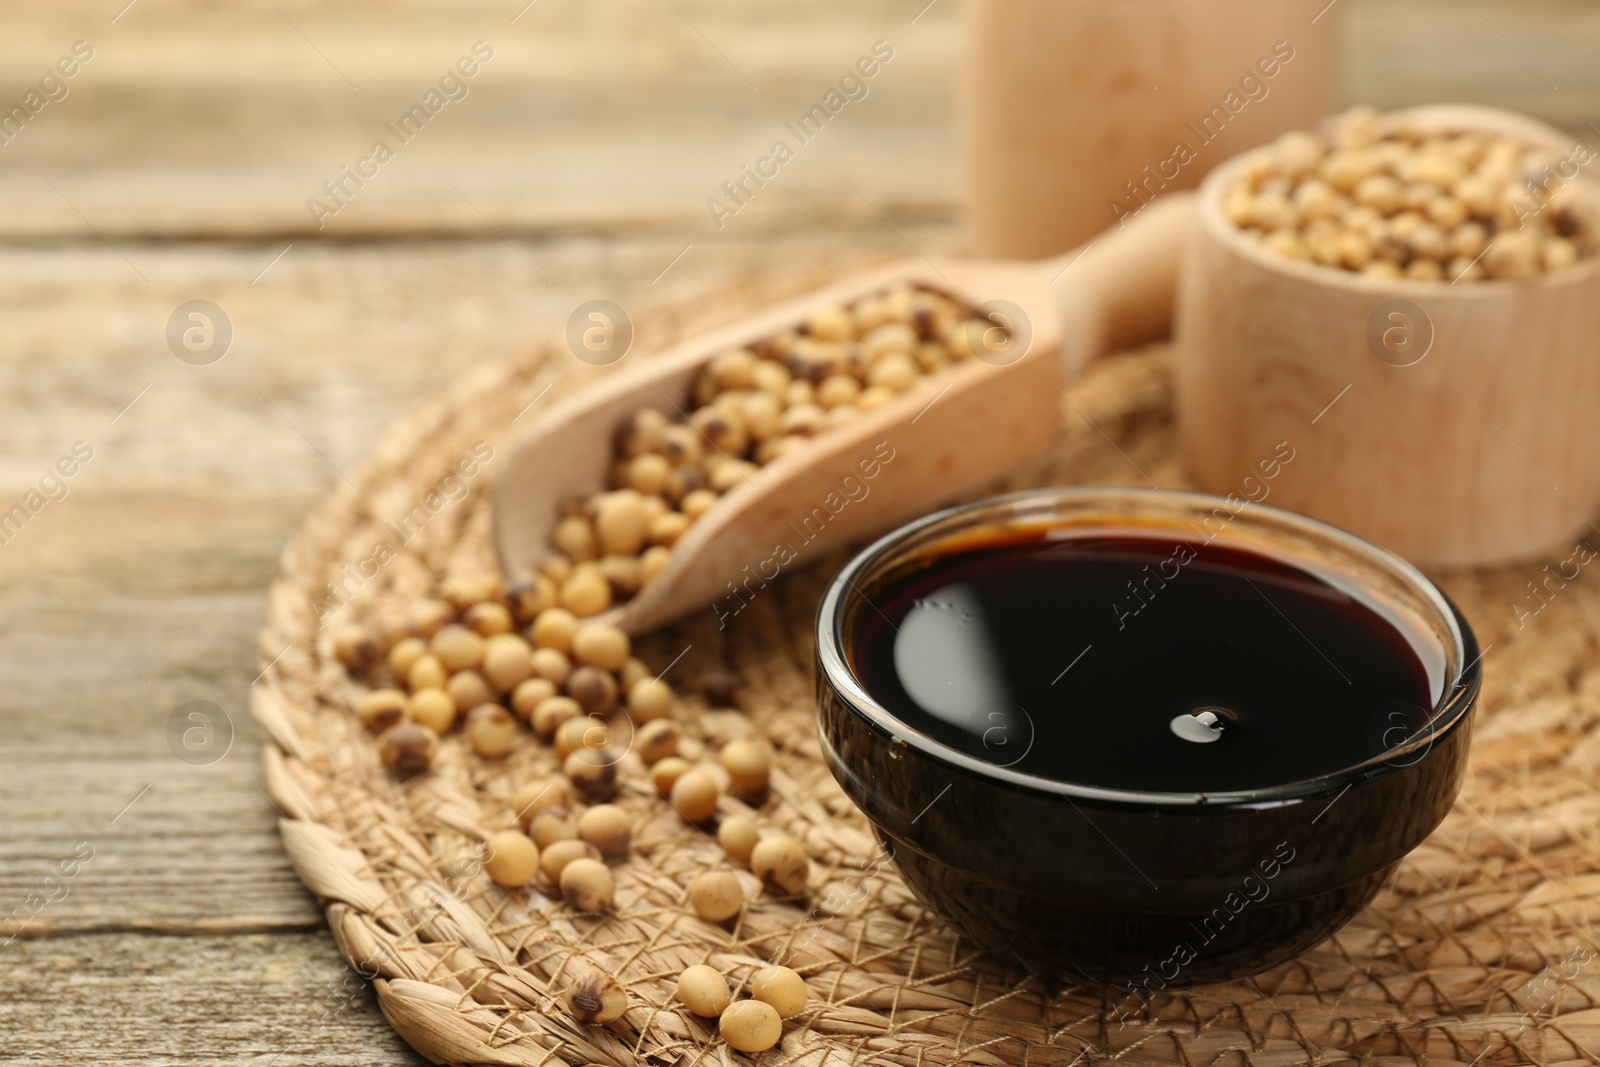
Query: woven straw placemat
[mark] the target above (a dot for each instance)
(1480, 949)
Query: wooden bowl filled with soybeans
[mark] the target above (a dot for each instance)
(1389, 325)
(703, 473)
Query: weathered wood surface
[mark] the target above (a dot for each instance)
(236, 998)
(222, 120)
(592, 141)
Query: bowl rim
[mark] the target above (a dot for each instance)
(1476, 117)
(1457, 697)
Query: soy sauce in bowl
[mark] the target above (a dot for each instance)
(1143, 662)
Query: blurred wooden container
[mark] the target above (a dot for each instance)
(1065, 104)
(1482, 451)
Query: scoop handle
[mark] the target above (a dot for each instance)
(1120, 289)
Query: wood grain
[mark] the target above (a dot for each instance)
(246, 998)
(221, 121)
(609, 118)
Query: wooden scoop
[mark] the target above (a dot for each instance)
(949, 433)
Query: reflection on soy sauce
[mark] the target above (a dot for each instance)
(948, 661)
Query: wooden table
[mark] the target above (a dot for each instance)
(178, 168)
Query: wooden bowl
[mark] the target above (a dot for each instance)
(1479, 452)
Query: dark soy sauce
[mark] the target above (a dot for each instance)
(1143, 662)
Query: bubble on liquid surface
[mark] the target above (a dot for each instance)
(1202, 725)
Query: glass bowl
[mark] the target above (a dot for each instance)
(1139, 888)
